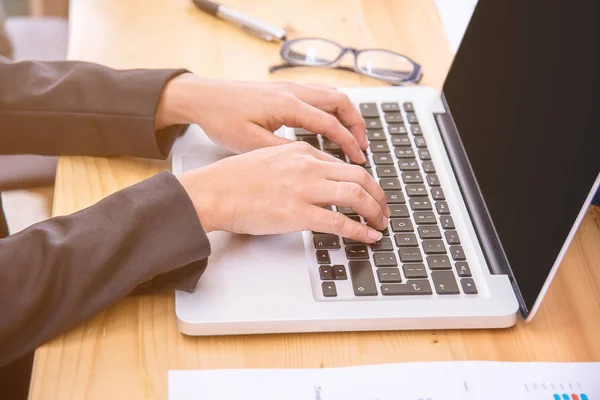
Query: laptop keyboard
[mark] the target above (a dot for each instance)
(420, 253)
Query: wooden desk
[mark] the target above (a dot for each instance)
(125, 352)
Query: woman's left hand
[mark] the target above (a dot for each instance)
(242, 116)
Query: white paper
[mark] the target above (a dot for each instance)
(410, 381)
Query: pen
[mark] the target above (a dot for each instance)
(248, 24)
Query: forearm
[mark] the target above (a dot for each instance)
(76, 108)
(61, 272)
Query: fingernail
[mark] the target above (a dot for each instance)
(385, 221)
(388, 212)
(363, 158)
(375, 235)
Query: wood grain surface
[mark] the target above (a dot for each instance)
(127, 351)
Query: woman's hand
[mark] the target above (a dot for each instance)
(242, 116)
(282, 189)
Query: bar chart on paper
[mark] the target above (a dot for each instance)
(411, 381)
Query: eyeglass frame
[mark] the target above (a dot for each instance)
(414, 77)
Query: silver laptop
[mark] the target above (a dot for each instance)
(487, 183)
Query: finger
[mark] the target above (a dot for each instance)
(257, 137)
(321, 220)
(352, 195)
(318, 154)
(358, 175)
(302, 115)
(333, 101)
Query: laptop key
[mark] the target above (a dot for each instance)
(406, 240)
(400, 140)
(416, 130)
(326, 272)
(373, 123)
(394, 197)
(329, 145)
(412, 177)
(414, 287)
(385, 244)
(452, 237)
(424, 218)
(346, 210)
(444, 282)
(357, 252)
(348, 241)
(442, 207)
(412, 271)
(437, 193)
(457, 253)
(339, 154)
(416, 190)
(393, 118)
(462, 269)
(429, 232)
(468, 286)
(402, 225)
(389, 275)
(312, 140)
(434, 247)
(303, 132)
(379, 147)
(383, 159)
(447, 222)
(420, 142)
(404, 152)
(438, 262)
(363, 281)
(329, 289)
(397, 129)
(408, 107)
(398, 211)
(373, 135)
(424, 154)
(428, 167)
(420, 203)
(390, 184)
(323, 257)
(408, 165)
(339, 273)
(368, 110)
(411, 117)
(326, 241)
(410, 254)
(385, 260)
(390, 107)
(432, 180)
(386, 172)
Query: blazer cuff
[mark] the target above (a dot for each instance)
(187, 235)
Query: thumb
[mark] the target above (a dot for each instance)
(258, 137)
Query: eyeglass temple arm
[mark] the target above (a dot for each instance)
(383, 72)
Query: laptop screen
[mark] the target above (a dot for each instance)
(524, 92)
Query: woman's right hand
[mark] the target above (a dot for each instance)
(283, 189)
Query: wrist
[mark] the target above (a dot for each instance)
(174, 107)
(202, 199)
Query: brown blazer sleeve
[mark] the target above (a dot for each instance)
(148, 237)
(60, 272)
(78, 108)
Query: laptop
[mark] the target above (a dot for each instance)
(487, 182)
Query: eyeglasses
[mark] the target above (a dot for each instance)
(384, 65)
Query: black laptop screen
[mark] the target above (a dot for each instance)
(524, 91)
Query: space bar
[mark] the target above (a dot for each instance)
(363, 282)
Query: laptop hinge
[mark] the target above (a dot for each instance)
(480, 217)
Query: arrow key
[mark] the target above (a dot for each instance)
(444, 282)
